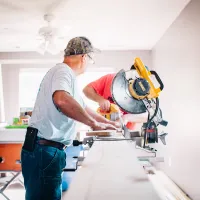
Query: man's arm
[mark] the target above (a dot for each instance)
(100, 118)
(90, 93)
(71, 108)
(138, 118)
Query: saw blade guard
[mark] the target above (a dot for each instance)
(122, 97)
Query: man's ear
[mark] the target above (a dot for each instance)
(84, 58)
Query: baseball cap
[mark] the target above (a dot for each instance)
(79, 45)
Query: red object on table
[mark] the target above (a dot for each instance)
(131, 125)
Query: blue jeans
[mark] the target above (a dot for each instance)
(42, 171)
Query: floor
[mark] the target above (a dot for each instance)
(14, 192)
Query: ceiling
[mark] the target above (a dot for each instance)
(110, 25)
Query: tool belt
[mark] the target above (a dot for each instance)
(31, 139)
(51, 143)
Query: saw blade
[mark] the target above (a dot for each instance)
(122, 97)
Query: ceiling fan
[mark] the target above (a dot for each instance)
(50, 36)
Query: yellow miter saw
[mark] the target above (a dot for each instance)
(112, 114)
(134, 91)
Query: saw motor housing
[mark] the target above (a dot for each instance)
(137, 95)
(112, 114)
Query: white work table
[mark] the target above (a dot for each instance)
(111, 171)
(12, 135)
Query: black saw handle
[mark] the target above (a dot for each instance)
(158, 79)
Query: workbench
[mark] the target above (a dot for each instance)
(111, 170)
(11, 141)
(12, 135)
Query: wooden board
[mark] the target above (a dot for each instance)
(104, 133)
(111, 171)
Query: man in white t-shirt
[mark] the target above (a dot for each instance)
(52, 126)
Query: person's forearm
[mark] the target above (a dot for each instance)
(91, 94)
(71, 108)
(96, 116)
(138, 118)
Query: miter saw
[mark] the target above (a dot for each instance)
(112, 114)
(134, 91)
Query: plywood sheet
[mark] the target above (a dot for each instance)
(105, 133)
(111, 171)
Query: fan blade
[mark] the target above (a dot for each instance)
(56, 6)
(62, 32)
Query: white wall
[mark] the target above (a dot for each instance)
(2, 114)
(176, 58)
(114, 59)
(11, 90)
(10, 75)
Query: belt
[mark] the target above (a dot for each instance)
(51, 143)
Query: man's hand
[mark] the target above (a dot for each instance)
(102, 126)
(101, 119)
(117, 124)
(104, 105)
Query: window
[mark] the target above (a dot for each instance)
(88, 77)
(29, 82)
(30, 79)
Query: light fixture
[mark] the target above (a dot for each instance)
(48, 46)
(42, 48)
(53, 48)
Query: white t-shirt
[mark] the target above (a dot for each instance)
(51, 123)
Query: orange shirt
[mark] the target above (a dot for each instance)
(102, 86)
